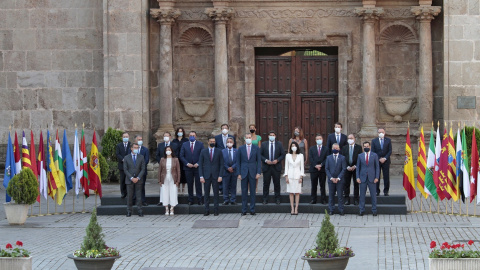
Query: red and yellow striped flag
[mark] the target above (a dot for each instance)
(26, 163)
(421, 164)
(408, 175)
(94, 168)
(452, 188)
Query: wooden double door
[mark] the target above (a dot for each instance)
(295, 91)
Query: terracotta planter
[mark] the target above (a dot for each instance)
(105, 263)
(16, 213)
(336, 263)
(18, 263)
(450, 263)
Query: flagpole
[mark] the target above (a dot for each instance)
(460, 206)
(96, 199)
(55, 203)
(83, 210)
(430, 205)
(73, 211)
(421, 204)
(40, 207)
(64, 207)
(48, 208)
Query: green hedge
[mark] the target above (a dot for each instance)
(23, 187)
(468, 136)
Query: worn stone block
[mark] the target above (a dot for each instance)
(129, 99)
(6, 40)
(79, 39)
(14, 61)
(94, 79)
(21, 119)
(31, 79)
(473, 7)
(16, 19)
(30, 101)
(11, 78)
(3, 80)
(98, 60)
(476, 54)
(455, 73)
(66, 119)
(38, 18)
(100, 99)
(69, 99)
(8, 4)
(117, 43)
(50, 98)
(121, 79)
(39, 60)
(134, 43)
(1, 61)
(55, 79)
(46, 39)
(72, 60)
(6, 118)
(125, 22)
(76, 79)
(86, 98)
(23, 39)
(85, 18)
(40, 119)
(12, 99)
(470, 71)
(65, 18)
(31, 4)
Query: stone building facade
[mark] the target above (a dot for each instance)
(147, 66)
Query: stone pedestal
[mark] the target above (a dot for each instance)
(370, 93)
(165, 16)
(425, 14)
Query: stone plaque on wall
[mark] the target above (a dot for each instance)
(468, 102)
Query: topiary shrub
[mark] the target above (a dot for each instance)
(327, 239)
(23, 187)
(109, 142)
(94, 238)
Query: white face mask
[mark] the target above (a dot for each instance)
(350, 141)
(229, 145)
(381, 135)
(319, 142)
(248, 141)
(168, 153)
(294, 149)
(225, 131)
(140, 143)
(166, 139)
(271, 138)
(337, 130)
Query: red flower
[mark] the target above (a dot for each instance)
(463, 245)
(442, 247)
(445, 244)
(433, 244)
(8, 245)
(19, 243)
(470, 242)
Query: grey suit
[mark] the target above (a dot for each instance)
(134, 169)
(367, 174)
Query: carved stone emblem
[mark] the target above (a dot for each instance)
(295, 26)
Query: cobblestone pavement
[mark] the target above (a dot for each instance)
(383, 242)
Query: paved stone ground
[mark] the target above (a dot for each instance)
(383, 242)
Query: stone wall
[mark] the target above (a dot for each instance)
(51, 65)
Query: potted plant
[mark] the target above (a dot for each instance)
(94, 254)
(15, 257)
(328, 254)
(23, 188)
(454, 256)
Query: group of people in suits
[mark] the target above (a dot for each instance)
(220, 165)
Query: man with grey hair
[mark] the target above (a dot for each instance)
(382, 146)
(351, 152)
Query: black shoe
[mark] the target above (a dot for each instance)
(225, 203)
(361, 214)
(386, 194)
(159, 204)
(199, 203)
(123, 196)
(324, 201)
(355, 202)
(190, 203)
(140, 214)
(215, 214)
(347, 201)
(244, 213)
(265, 202)
(331, 213)
(220, 192)
(129, 214)
(145, 204)
(342, 214)
(378, 193)
(233, 203)
(277, 202)
(374, 214)
(207, 213)
(313, 202)
(252, 213)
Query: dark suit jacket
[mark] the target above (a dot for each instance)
(210, 169)
(131, 169)
(161, 150)
(315, 159)
(332, 139)
(226, 161)
(370, 171)
(186, 156)
(385, 152)
(357, 149)
(252, 165)
(145, 153)
(219, 141)
(335, 170)
(279, 155)
(121, 153)
(179, 145)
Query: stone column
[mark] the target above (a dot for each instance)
(369, 76)
(165, 16)
(425, 14)
(220, 16)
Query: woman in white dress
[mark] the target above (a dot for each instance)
(294, 173)
(169, 179)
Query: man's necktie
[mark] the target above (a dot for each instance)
(350, 159)
(338, 138)
(367, 159)
(125, 147)
(381, 144)
(319, 150)
(248, 152)
(230, 159)
(134, 160)
(191, 147)
(271, 151)
(211, 154)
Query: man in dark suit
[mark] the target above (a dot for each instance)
(317, 155)
(221, 142)
(142, 150)
(335, 166)
(210, 170)
(272, 155)
(189, 155)
(337, 137)
(122, 150)
(167, 139)
(248, 169)
(382, 146)
(229, 179)
(368, 172)
(351, 152)
(134, 167)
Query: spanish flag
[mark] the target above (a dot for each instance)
(421, 165)
(408, 175)
(94, 168)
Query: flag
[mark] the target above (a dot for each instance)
(33, 161)
(94, 168)
(10, 167)
(459, 174)
(52, 175)
(84, 180)
(452, 166)
(465, 166)
(25, 153)
(430, 187)
(62, 187)
(408, 175)
(474, 168)
(68, 167)
(42, 168)
(16, 152)
(421, 165)
(443, 177)
(436, 175)
(76, 162)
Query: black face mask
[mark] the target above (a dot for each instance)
(212, 145)
(366, 149)
(252, 130)
(335, 151)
